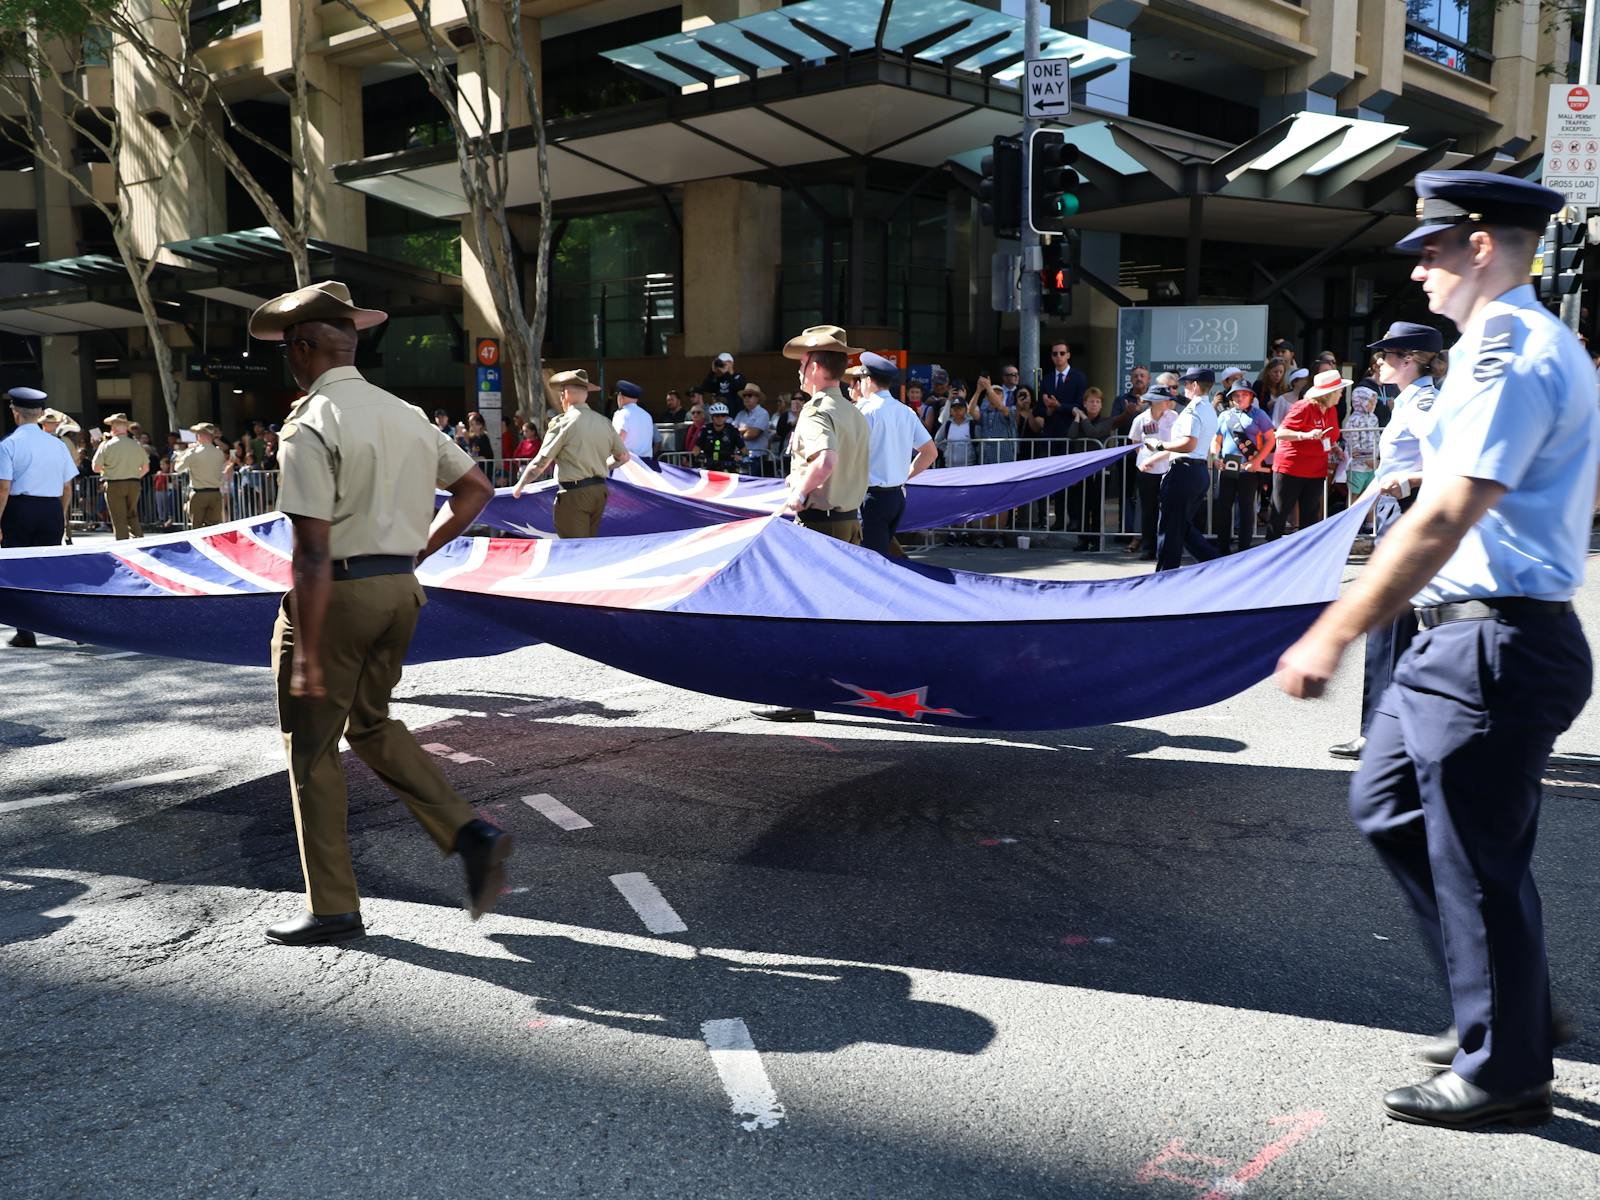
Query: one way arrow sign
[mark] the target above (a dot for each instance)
(1049, 89)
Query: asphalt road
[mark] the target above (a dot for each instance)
(1147, 960)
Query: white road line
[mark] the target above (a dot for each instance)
(743, 1077)
(36, 801)
(120, 654)
(556, 811)
(631, 690)
(128, 785)
(658, 916)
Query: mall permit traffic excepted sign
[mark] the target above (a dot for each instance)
(1572, 143)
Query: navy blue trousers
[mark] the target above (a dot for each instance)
(1183, 490)
(32, 521)
(880, 517)
(1448, 794)
(1388, 642)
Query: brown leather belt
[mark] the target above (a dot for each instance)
(591, 481)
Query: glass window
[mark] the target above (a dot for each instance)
(614, 284)
(578, 80)
(410, 237)
(1453, 33)
(402, 114)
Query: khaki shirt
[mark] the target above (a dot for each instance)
(830, 422)
(120, 458)
(579, 440)
(70, 441)
(353, 454)
(203, 464)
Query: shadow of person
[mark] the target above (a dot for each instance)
(38, 894)
(795, 1008)
(17, 734)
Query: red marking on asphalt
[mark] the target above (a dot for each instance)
(997, 841)
(1221, 1187)
(817, 742)
(1074, 939)
(538, 1024)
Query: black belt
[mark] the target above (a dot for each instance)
(366, 566)
(29, 496)
(1199, 462)
(889, 487)
(195, 489)
(831, 514)
(591, 481)
(1487, 610)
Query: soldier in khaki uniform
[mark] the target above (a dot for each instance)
(203, 463)
(359, 468)
(60, 425)
(578, 442)
(829, 472)
(121, 462)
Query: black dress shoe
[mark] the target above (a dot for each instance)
(1449, 1102)
(484, 849)
(23, 640)
(1440, 1052)
(309, 929)
(783, 714)
(1350, 749)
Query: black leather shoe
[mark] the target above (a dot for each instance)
(1449, 1102)
(1350, 749)
(484, 849)
(1440, 1052)
(783, 714)
(23, 640)
(309, 929)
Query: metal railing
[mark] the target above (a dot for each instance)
(164, 500)
(1438, 46)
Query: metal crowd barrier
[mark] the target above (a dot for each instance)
(164, 500)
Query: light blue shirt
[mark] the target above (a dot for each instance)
(1199, 421)
(1400, 443)
(894, 435)
(36, 463)
(1520, 407)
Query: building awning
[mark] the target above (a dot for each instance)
(86, 294)
(816, 82)
(1312, 179)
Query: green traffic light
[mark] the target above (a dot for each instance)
(1066, 205)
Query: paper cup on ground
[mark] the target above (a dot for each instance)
(1023, 542)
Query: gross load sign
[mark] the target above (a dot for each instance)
(1572, 144)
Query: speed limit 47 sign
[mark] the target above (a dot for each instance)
(1572, 143)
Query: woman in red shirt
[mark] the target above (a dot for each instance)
(1305, 438)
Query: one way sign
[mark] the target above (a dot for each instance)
(1049, 89)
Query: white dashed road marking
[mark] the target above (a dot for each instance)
(36, 801)
(658, 916)
(556, 811)
(127, 785)
(745, 1080)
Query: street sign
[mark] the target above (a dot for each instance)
(230, 368)
(1047, 89)
(488, 352)
(1572, 143)
(1183, 336)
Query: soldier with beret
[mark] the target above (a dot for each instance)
(632, 422)
(1405, 360)
(1489, 558)
(203, 463)
(578, 443)
(358, 471)
(121, 462)
(36, 474)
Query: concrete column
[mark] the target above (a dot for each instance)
(482, 72)
(731, 245)
(1520, 91)
(1381, 51)
(58, 234)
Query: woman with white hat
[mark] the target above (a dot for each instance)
(1306, 436)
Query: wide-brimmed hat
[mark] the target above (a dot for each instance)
(579, 378)
(118, 419)
(1326, 383)
(206, 427)
(325, 301)
(819, 337)
(56, 417)
(753, 389)
(1241, 387)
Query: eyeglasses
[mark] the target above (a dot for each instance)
(284, 345)
(1059, 353)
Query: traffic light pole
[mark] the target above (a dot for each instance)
(1028, 314)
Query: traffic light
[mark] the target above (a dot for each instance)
(1001, 187)
(1562, 253)
(1055, 184)
(1059, 273)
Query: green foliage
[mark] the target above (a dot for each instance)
(66, 19)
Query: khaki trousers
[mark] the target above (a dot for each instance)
(578, 512)
(848, 530)
(205, 508)
(365, 636)
(122, 502)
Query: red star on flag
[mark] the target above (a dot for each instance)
(911, 704)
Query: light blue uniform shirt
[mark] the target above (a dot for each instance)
(1520, 407)
(894, 435)
(36, 463)
(1198, 420)
(1400, 443)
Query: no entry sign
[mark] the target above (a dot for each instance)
(1572, 144)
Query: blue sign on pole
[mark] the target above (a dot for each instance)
(488, 379)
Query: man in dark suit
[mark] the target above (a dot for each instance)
(1063, 380)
